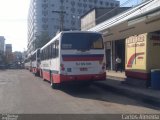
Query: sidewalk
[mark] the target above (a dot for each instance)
(115, 83)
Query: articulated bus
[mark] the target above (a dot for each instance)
(73, 56)
(35, 65)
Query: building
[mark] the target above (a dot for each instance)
(2, 44)
(98, 15)
(8, 53)
(143, 18)
(46, 17)
(2, 49)
(8, 48)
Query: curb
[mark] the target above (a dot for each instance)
(154, 101)
(115, 78)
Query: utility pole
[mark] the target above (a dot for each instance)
(61, 13)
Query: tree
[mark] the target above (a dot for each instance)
(41, 40)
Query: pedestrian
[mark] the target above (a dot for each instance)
(118, 64)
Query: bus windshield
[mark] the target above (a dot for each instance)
(82, 41)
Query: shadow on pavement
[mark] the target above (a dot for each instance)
(97, 92)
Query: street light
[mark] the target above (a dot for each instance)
(61, 13)
(61, 18)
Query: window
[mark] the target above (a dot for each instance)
(84, 5)
(95, 1)
(44, 26)
(106, 3)
(53, 50)
(90, 1)
(101, 2)
(90, 6)
(44, 12)
(73, 10)
(111, 4)
(56, 48)
(79, 11)
(116, 5)
(72, 3)
(79, 4)
(44, 20)
(44, 6)
(82, 41)
(45, 0)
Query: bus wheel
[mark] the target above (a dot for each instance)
(54, 85)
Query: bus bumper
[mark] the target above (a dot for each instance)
(67, 78)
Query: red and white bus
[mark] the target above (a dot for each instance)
(35, 64)
(73, 56)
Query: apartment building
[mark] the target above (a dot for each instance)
(46, 17)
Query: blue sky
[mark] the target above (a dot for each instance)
(13, 21)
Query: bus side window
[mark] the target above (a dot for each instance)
(49, 52)
(42, 55)
(53, 49)
(45, 54)
(50, 48)
(57, 48)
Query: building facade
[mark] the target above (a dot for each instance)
(2, 49)
(112, 48)
(2, 44)
(46, 17)
(98, 15)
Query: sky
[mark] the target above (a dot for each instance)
(13, 21)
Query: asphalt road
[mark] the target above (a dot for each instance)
(22, 92)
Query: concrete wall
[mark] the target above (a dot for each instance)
(99, 15)
(88, 21)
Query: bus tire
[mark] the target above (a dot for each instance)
(54, 85)
(36, 74)
(41, 74)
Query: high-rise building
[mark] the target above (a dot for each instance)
(46, 17)
(2, 49)
(2, 44)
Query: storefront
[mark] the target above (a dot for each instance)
(115, 49)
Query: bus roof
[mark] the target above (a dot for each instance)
(63, 32)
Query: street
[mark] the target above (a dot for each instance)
(23, 93)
